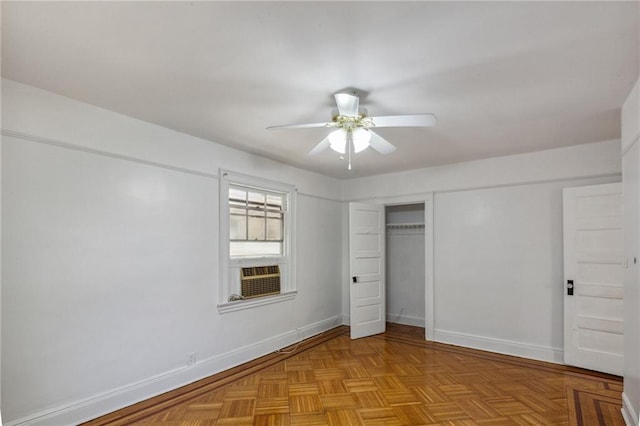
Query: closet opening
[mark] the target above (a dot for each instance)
(405, 264)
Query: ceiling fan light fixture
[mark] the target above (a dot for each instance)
(360, 138)
(338, 140)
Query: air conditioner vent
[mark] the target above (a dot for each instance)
(258, 281)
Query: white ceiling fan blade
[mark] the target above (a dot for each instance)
(415, 120)
(380, 144)
(324, 144)
(298, 126)
(347, 104)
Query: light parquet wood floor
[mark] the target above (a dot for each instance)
(395, 378)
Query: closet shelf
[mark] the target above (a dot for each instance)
(405, 225)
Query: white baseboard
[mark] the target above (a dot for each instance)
(507, 347)
(628, 413)
(97, 405)
(346, 319)
(405, 319)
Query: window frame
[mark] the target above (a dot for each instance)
(229, 276)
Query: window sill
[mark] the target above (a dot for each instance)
(240, 305)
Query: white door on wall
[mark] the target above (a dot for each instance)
(593, 277)
(366, 269)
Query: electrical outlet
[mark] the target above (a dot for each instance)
(191, 359)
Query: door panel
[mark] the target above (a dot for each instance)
(366, 265)
(594, 264)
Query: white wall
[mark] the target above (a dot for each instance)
(631, 189)
(580, 161)
(0, 278)
(405, 266)
(110, 260)
(630, 118)
(498, 242)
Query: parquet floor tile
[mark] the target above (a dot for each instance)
(395, 378)
(600, 404)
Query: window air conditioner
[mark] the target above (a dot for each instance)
(258, 281)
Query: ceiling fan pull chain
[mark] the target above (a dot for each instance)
(349, 147)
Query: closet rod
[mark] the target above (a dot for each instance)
(404, 225)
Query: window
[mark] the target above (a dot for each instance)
(256, 241)
(256, 222)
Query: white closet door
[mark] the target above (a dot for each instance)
(367, 269)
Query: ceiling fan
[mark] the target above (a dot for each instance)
(353, 127)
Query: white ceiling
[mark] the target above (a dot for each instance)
(502, 77)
